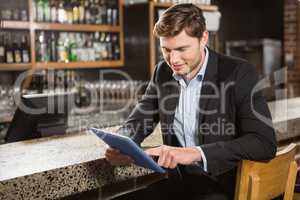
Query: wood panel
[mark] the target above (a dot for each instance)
(74, 65)
(14, 67)
(208, 8)
(76, 27)
(7, 24)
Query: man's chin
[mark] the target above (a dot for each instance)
(179, 73)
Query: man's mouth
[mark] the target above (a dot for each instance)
(177, 67)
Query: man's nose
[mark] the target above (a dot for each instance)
(174, 57)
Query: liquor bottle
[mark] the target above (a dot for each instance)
(54, 11)
(109, 46)
(42, 47)
(90, 50)
(2, 49)
(85, 50)
(80, 39)
(62, 14)
(94, 11)
(98, 18)
(115, 47)
(97, 45)
(80, 45)
(81, 12)
(34, 10)
(115, 13)
(40, 10)
(104, 52)
(24, 15)
(25, 50)
(76, 14)
(72, 48)
(69, 11)
(9, 50)
(47, 11)
(62, 51)
(53, 52)
(103, 11)
(87, 13)
(67, 46)
(15, 14)
(109, 15)
(112, 12)
(16, 50)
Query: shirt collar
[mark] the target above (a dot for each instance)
(201, 72)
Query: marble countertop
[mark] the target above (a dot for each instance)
(54, 167)
(44, 154)
(285, 109)
(286, 118)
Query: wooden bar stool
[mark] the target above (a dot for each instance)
(259, 180)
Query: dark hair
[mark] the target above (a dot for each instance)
(185, 16)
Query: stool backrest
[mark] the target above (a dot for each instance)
(267, 179)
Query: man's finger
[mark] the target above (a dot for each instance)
(162, 157)
(173, 164)
(112, 150)
(119, 160)
(117, 156)
(153, 151)
(168, 160)
(111, 155)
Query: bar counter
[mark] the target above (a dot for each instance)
(59, 166)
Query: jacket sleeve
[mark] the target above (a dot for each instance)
(255, 134)
(144, 117)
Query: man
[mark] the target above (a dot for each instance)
(210, 115)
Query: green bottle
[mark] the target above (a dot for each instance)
(72, 48)
(47, 11)
(40, 10)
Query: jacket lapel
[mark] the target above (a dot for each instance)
(208, 88)
(171, 100)
(170, 90)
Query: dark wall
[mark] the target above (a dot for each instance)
(136, 36)
(250, 19)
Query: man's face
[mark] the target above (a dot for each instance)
(183, 53)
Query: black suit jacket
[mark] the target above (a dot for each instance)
(227, 97)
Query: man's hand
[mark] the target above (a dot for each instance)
(170, 157)
(114, 157)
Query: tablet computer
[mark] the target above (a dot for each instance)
(128, 147)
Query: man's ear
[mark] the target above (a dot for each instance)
(204, 38)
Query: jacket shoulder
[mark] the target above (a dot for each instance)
(162, 72)
(229, 66)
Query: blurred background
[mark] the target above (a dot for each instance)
(102, 52)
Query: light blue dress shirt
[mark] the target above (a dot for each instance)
(186, 114)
